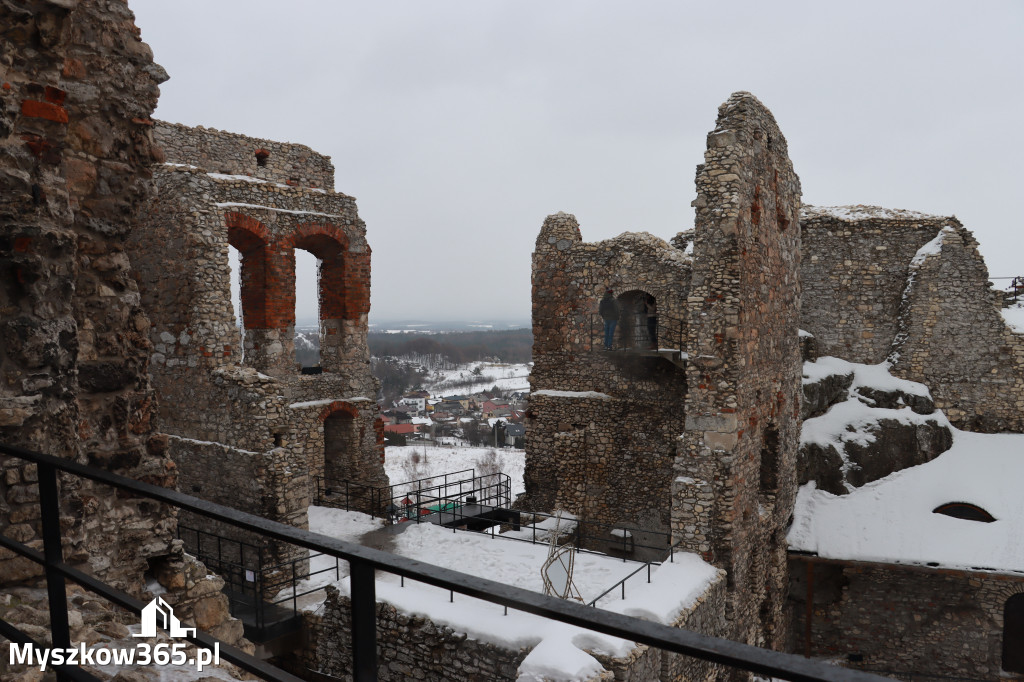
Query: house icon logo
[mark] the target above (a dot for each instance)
(159, 613)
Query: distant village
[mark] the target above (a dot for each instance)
(486, 418)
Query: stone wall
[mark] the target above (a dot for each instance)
(409, 647)
(234, 154)
(77, 87)
(271, 484)
(903, 619)
(706, 616)
(602, 425)
(744, 368)
(952, 338)
(414, 647)
(247, 395)
(870, 296)
(856, 260)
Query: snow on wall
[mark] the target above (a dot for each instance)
(891, 520)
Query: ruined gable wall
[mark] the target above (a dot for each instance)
(953, 339)
(76, 89)
(607, 458)
(854, 270)
(867, 299)
(219, 151)
(743, 402)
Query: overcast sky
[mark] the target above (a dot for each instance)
(459, 125)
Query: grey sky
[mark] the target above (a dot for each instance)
(459, 125)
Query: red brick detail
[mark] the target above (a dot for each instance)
(252, 239)
(7, 86)
(356, 291)
(341, 408)
(73, 68)
(46, 110)
(329, 243)
(245, 233)
(22, 244)
(54, 95)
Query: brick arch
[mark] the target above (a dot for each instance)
(252, 239)
(344, 289)
(340, 408)
(245, 233)
(318, 237)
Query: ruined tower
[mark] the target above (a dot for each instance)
(248, 428)
(736, 472)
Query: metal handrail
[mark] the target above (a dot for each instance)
(364, 561)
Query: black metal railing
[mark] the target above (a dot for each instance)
(258, 591)
(633, 333)
(363, 562)
(1014, 292)
(455, 493)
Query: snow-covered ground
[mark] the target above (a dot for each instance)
(1014, 318)
(558, 649)
(892, 519)
(461, 380)
(436, 460)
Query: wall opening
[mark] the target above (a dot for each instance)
(1013, 634)
(638, 326)
(769, 475)
(965, 511)
(248, 244)
(235, 263)
(261, 157)
(341, 446)
(307, 309)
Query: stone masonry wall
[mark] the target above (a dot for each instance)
(952, 338)
(414, 647)
(854, 270)
(744, 369)
(409, 647)
(234, 154)
(902, 619)
(602, 425)
(77, 87)
(869, 297)
(270, 484)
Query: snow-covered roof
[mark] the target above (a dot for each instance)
(862, 212)
(891, 520)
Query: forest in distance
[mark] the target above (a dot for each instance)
(433, 349)
(509, 345)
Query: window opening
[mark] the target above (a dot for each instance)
(770, 461)
(261, 157)
(965, 511)
(235, 263)
(307, 310)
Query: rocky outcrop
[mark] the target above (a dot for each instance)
(861, 424)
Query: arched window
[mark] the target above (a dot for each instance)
(964, 510)
(638, 321)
